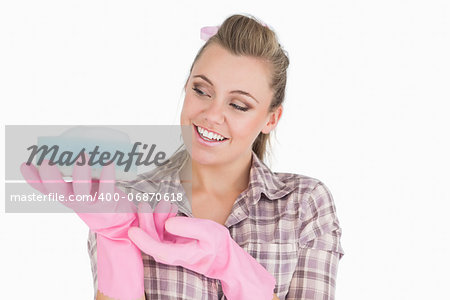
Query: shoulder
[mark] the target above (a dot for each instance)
(312, 203)
(310, 195)
(304, 188)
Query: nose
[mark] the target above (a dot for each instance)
(214, 112)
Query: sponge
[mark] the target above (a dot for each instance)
(100, 144)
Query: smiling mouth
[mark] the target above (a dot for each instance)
(209, 136)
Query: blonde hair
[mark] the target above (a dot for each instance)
(245, 35)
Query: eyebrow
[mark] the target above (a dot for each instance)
(235, 91)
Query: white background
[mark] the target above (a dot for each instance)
(366, 112)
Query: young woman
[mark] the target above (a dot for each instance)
(286, 222)
(241, 231)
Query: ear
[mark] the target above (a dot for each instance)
(272, 120)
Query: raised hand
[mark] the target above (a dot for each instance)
(120, 270)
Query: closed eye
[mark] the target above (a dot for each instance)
(235, 106)
(199, 92)
(239, 107)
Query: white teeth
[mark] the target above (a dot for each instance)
(210, 135)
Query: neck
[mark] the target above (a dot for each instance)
(223, 178)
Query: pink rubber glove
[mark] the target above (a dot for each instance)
(206, 247)
(153, 221)
(120, 270)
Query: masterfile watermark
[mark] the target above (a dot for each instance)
(141, 155)
(69, 158)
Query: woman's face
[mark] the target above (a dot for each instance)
(226, 105)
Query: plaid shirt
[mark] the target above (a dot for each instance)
(287, 222)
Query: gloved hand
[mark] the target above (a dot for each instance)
(206, 247)
(153, 220)
(120, 270)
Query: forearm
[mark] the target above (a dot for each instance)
(120, 273)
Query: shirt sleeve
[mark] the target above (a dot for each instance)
(319, 248)
(92, 250)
